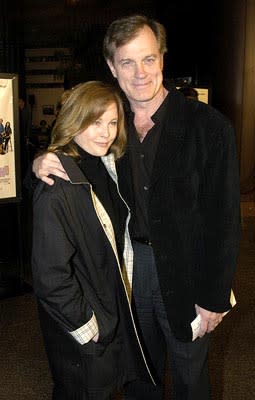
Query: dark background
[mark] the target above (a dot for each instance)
(80, 24)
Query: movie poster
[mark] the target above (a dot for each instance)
(9, 139)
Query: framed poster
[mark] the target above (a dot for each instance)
(10, 178)
(204, 94)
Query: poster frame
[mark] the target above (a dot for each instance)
(15, 197)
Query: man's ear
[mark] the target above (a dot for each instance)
(161, 62)
(112, 68)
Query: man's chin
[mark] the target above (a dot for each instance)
(141, 98)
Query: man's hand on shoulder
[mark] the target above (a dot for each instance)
(48, 164)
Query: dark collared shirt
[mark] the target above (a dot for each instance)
(142, 155)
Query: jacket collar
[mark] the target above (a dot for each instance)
(76, 175)
(73, 171)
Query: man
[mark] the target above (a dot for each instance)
(180, 178)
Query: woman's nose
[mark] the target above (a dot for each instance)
(105, 131)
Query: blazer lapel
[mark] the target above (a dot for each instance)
(171, 138)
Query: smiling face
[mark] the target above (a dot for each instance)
(98, 137)
(138, 67)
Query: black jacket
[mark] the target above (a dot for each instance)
(76, 273)
(193, 210)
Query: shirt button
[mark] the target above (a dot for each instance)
(146, 188)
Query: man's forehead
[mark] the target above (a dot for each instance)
(137, 49)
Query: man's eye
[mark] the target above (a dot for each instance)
(126, 63)
(149, 60)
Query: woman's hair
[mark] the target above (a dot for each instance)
(122, 30)
(64, 96)
(86, 103)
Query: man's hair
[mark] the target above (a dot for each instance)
(85, 103)
(124, 29)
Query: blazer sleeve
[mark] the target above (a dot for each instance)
(54, 280)
(220, 205)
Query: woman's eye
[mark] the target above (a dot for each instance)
(114, 123)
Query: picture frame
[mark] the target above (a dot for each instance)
(48, 109)
(10, 171)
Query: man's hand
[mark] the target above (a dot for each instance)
(48, 164)
(209, 320)
(95, 338)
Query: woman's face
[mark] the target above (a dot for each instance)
(98, 137)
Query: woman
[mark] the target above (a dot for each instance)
(1, 137)
(7, 136)
(82, 256)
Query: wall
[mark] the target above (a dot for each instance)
(45, 80)
(233, 65)
(247, 142)
(44, 97)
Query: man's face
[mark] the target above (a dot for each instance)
(138, 67)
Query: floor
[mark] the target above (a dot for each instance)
(24, 373)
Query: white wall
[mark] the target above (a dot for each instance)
(43, 96)
(44, 80)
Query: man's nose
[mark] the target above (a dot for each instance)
(139, 69)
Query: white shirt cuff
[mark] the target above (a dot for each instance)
(86, 332)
